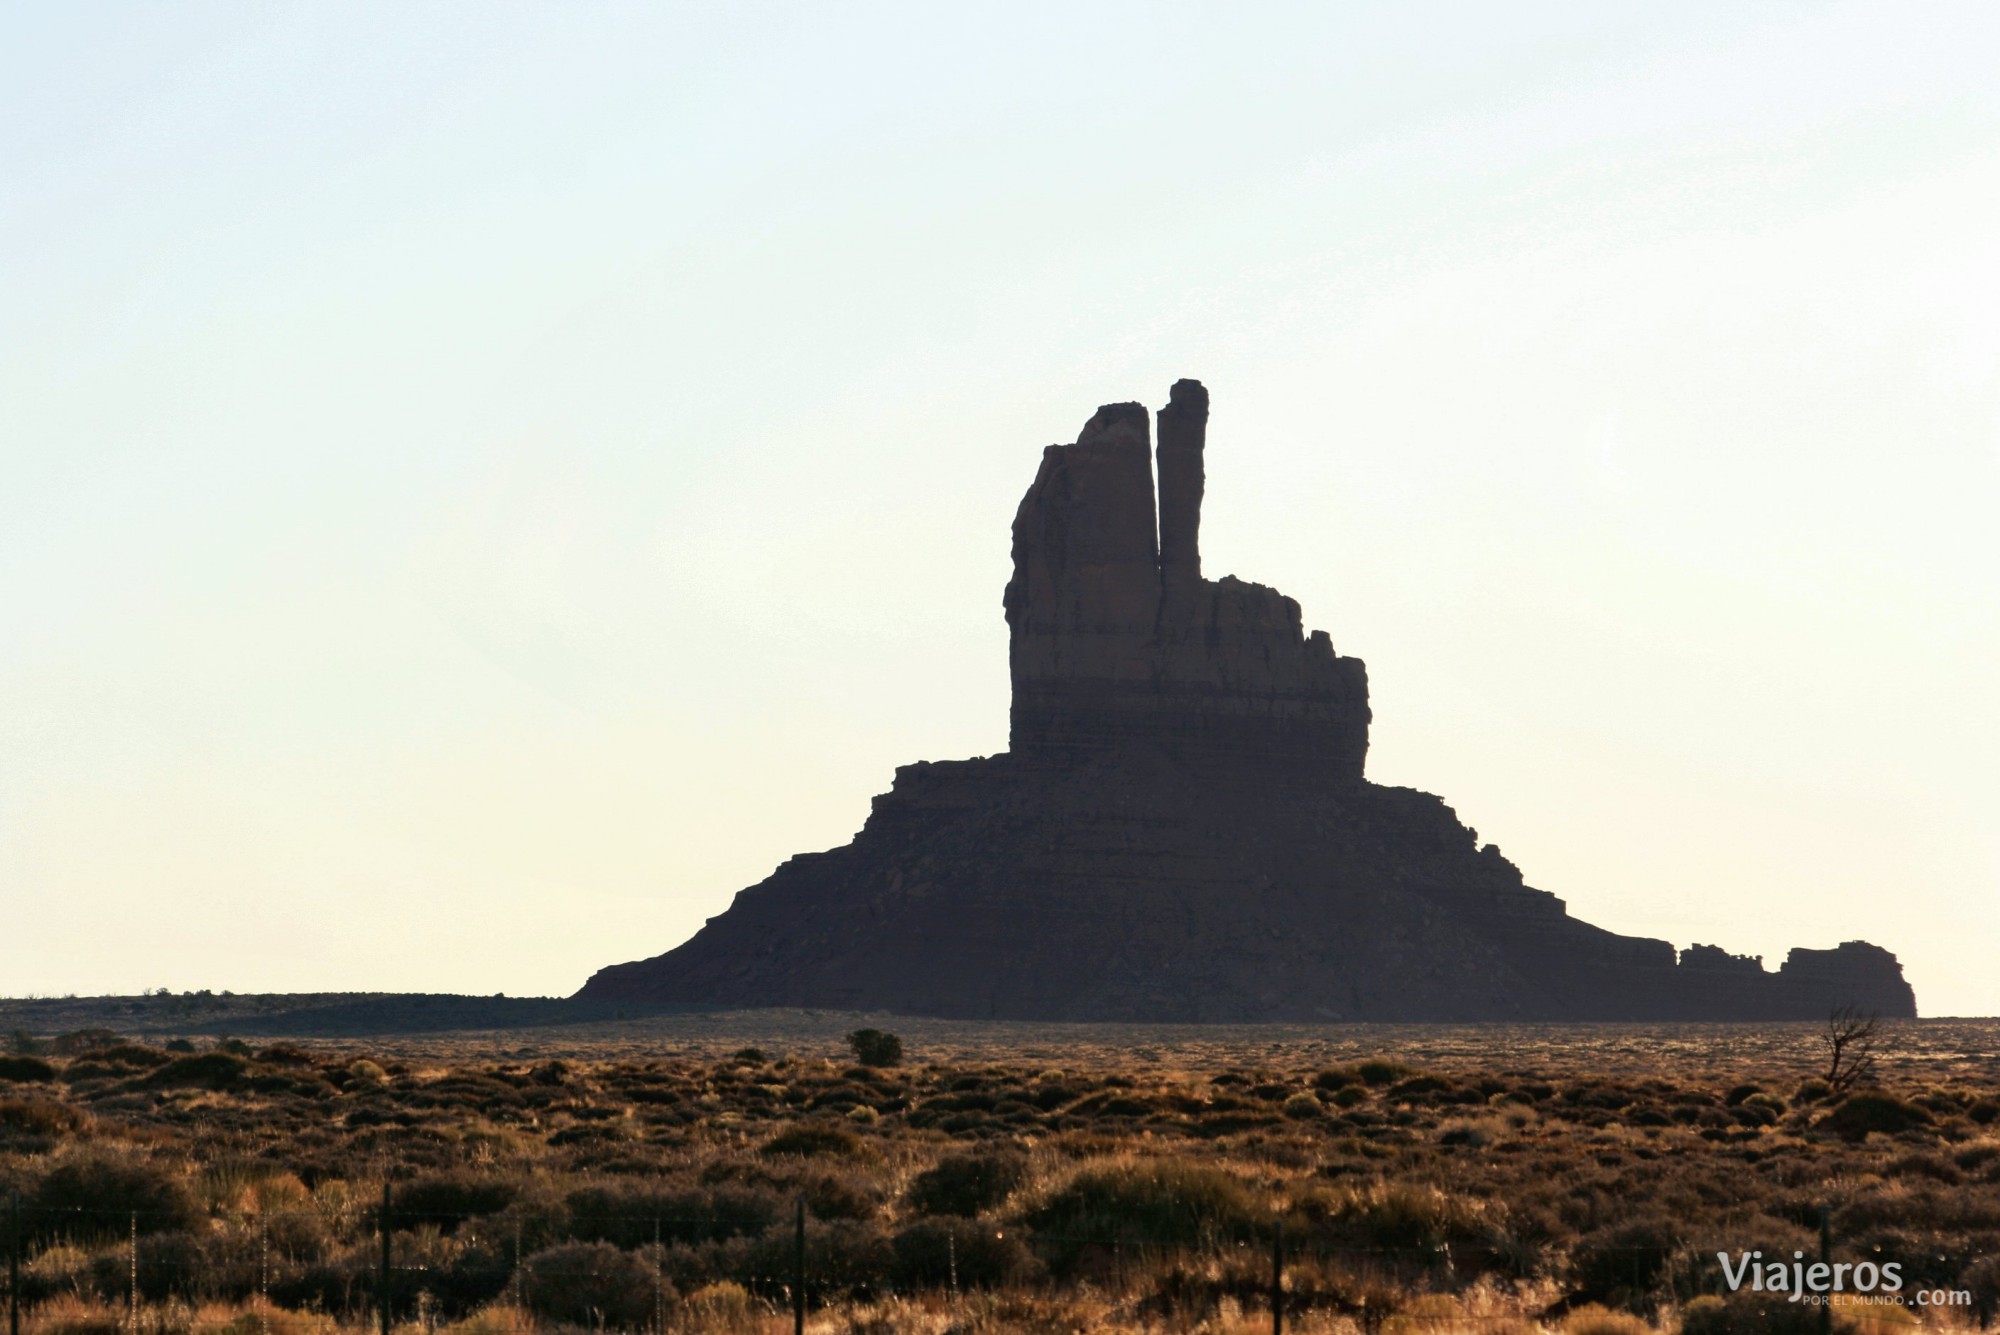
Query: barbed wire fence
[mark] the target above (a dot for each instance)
(1286, 1271)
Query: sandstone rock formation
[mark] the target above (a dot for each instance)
(1180, 829)
(1117, 639)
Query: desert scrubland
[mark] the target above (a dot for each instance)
(652, 1174)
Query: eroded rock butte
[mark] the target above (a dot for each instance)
(1180, 829)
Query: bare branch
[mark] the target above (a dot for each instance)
(1850, 1047)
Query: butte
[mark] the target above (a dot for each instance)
(1181, 829)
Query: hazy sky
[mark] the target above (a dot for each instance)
(480, 484)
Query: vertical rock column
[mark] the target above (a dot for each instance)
(1085, 596)
(1183, 431)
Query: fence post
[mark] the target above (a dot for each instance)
(1826, 1256)
(14, 1270)
(799, 1272)
(1278, 1279)
(132, 1265)
(382, 1280)
(263, 1276)
(659, 1282)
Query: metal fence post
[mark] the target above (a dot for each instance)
(1826, 1257)
(132, 1268)
(1278, 1279)
(799, 1272)
(14, 1269)
(263, 1276)
(382, 1280)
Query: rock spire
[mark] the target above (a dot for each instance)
(1181, 830)
(1116, 636)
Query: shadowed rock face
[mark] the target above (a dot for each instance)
(1116, 638)
(1181, 829)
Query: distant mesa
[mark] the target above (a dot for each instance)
(1180, 829)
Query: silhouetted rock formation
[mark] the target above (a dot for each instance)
(1117, 640)
(1180, 829)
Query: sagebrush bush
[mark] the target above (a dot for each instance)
(1376, 1071)
(816, 1138)
(464, 1278)
(58, 1269)
(931, 1253)
(339, 1282)
(724, 1306)
(1411, 1222)
(1860, 1114)
(284, 1054)
(1594, 1320)
(1302, 1107)
(83, 1040)
(968, 1184)
(873, 1047)
(73, 1314)
(1626, 1265)
(26, 1070)
(837, 1196)
(40, 1117)
(842, 1258)
(132, 1056)
(169, 1265)
(1417, 1087)
(1474, 1134)
(495, 1319)
(90, 1197)
(1753, 1113)
(1158, 1202)
(593, 1285)
(203, 1070)
(539, 1215)
(634, 1215)
(446, 1200)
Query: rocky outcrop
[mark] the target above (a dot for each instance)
(1117, 639)
(1181, 829)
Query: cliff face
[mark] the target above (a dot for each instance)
(1181, 829)
(1117, 639)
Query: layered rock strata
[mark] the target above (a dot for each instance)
(1181, 830)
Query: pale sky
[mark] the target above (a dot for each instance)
(480, 484)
